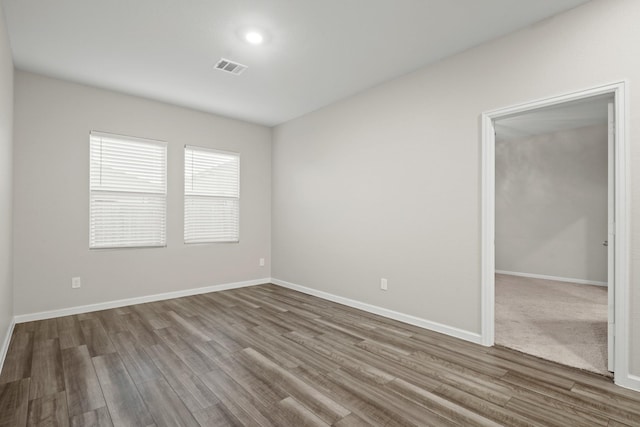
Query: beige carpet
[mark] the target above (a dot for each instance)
(558, 321)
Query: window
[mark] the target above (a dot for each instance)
(128, 192)
(211, 195)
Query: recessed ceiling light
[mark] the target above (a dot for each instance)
(254, 37)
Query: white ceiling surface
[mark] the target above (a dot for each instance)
(567, 116)
(317, 51)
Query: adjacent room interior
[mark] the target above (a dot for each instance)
(273, 213)
(551, 232)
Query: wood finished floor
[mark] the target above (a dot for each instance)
(266, 355)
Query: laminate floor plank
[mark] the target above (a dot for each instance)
(50, 411)
(438, 355)
(290, 304)
(98, 418)
(120, 393)
(582, 378)
(490, 410)
(384, 335)
(253, 339)
(17, 363)
(581, 402)
(182, 306)
(300, 324)
(322, 405)
(346, 362)
(45, 330)
(47, 376)
(155, 318)
(238, 301)
(138, 362)
(247, 295)
(333, 327)
(112, 321)
(216, 416)
(438, 405)
(265, 320)
(81, 383)
(70, 332)
(617, 401)
(431, 373)
(552, 400)
(352, 420)
(189, 387)
(270, 356)
(613, 423)
(236, 400)
(293, 413)
(141, 330)
(371, 412)
(221, 337)
(165, 406)
(217, 314)
(402, 367)
(188, 327)
(551, 416)
(240, 371)
(14, 403)
(95, 337)
(286, 347)
(25, 327)
(197, 360)
(403, 409)
(396, 368)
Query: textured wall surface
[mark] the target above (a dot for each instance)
(6, 182)
(551, 204)
(53, 121)
(387, 183)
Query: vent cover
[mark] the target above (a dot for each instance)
(230, 66)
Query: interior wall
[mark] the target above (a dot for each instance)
(551, 204)
(53, 119)
(6, 182)
(387, 183)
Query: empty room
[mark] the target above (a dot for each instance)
(552, 170)
(315, 213)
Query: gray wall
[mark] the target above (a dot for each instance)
(551, 204)
(6, 181)
(387, 183)
(53, 119)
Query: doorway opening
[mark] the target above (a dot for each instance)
(555, 178)
(551, 228)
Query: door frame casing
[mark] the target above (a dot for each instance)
(622, 215)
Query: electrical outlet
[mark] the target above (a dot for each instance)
(383, 284)
(76, 282)
(261, 262)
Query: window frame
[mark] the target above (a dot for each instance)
(133, 139)
(238, 198)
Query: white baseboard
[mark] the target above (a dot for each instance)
(136, 300)
(556, 278)
(6, 342)
(384, 312)
(632, 382)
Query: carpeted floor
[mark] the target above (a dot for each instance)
(558, 321)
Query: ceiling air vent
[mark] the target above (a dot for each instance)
(230, 66)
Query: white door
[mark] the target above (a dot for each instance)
(611, 243)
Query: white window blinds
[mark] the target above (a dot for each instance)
(128, 191)
(211, 195)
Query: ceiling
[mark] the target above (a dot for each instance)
(316, 51)
(571, 115)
